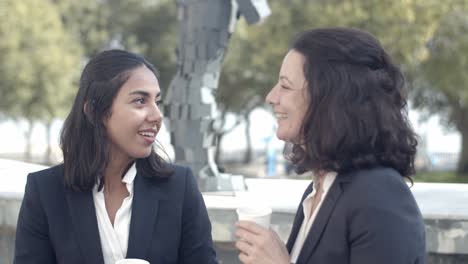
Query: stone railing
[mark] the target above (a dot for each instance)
(444, 207)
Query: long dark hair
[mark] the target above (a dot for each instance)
(357, 114)
(83, 138)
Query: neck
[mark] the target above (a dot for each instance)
(319, 178)
(114, 173)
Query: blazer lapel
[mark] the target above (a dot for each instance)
(83, 217)
(146, 197)
(298, 220)
(321, 220)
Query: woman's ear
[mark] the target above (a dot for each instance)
(88, 110)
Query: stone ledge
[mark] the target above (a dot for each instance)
(446, 230)
(444, 208)
(447, 236)
(443, 236)
(446, 219)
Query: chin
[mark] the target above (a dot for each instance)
(146, 154)
(142, 155)
(287, 138)
(282, 137)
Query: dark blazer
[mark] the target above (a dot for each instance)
(169, 222)
(368, 217)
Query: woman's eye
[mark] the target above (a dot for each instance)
(139, 100)
(285, 87)
(158, 103)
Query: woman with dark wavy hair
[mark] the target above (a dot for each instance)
(341, 102)
(113, 197)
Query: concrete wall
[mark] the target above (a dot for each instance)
(9, 208)
(444, 208)
(446, 218)
(446, 239)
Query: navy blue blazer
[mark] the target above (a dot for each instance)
(368, 217)
(169, 222)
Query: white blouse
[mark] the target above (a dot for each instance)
(308, 218)
(114, 239)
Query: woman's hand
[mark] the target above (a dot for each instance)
(259, 245)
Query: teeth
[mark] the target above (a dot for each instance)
(280, 116)
(147, 134)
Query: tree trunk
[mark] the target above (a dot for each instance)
(463, 160)
(248, 150)
(219, 133)
(27, 137)
(48, 153)
(218, 150)
(460, 117)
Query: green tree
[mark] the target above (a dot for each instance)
(239, 91)
(444, 85)
(88, 21)
(153, 33)
(404, 27)
(145, 27)
(38, 63)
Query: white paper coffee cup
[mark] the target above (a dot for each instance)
(132, 261)
(259, 215)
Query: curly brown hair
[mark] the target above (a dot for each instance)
(357, 116)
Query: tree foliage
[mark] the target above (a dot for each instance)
(145, 27)
(45, 42)
(38, 61)
(88, 21)
(425, 37)
(443, 84)
(153, 33)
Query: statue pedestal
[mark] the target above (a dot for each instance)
(224, 184)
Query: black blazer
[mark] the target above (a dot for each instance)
(169, 222)
(368, 217)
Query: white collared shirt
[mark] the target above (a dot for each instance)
(114, 239)
(308, 217)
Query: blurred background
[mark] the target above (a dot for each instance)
(44, 45)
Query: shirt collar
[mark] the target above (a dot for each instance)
(328, 180)
(128, 179)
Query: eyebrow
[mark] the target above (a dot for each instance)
(286, 79)
(143, 93)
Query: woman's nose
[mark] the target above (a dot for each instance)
(155, 114)
(271, 97)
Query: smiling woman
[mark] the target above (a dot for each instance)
(289, 98)
(113, 197)
(136, 106)
(341, 102)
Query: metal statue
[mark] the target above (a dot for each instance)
(205, 27)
